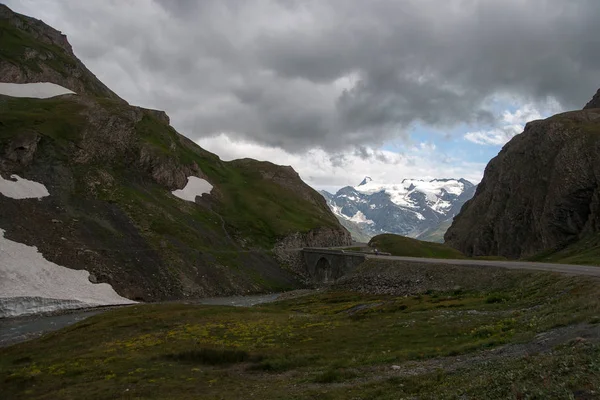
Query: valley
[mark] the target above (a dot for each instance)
(509, 334)
(136, 264)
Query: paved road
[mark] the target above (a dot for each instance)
(570, 269)
(535, 266)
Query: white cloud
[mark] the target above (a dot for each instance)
(512, 123)
(336, 74)
(494, 137)
(521, 116)
(322, 170)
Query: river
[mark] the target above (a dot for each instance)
(19, 329)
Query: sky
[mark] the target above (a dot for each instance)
(342, 89)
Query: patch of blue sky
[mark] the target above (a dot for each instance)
(449, 144)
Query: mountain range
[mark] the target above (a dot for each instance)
(416, 208)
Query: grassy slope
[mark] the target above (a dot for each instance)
(258, 209)
(184, 236)
(585, 252)
(403, 246)
(322, 346)
(255, 207)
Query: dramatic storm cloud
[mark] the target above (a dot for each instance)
(342, 76)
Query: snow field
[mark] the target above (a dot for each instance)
(37, 90)
(30, 284)
(195, 187)
(399, 193)
(22, 188)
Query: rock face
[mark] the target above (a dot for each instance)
(414, 208)
(110, 169)
(594, 102)
(540, 193)
(324, 237)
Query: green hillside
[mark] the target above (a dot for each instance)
(585, 251)
(111, 168)
(407, 247)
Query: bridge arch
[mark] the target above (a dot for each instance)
(326, 265)
(323, 270)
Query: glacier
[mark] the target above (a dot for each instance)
(410, 207)
(400, 193)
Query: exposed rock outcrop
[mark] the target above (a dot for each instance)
(540, 193)
(322, 237)
(594, 102)
(20, 149)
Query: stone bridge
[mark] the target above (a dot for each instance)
(327, 265)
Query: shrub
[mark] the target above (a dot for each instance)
(212, 356)
(495, 299)
(333, 375)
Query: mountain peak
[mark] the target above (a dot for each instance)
(43, 54)
(594, 102)
(409, 208)
(365, 181)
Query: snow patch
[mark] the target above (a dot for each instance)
(442, 206)
(29, 283)
(22, 188)
(360, 218)
(38, 90)
(420, 216)
(337, 211)
(194, 187)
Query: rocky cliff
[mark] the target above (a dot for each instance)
(110, 170)
(540, 193)
(594, 102)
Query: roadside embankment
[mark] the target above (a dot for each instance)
(392, 277)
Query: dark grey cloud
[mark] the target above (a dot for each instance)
(343, 73)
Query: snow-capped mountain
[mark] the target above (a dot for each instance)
(411, 208)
